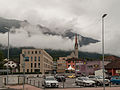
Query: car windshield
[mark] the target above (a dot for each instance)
(50, 79)
(85, 78)
(99, 77)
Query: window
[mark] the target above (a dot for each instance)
(90, 66)
(27, 70)
(35, 58)
(31, 70)
(59, 64)
(73, 61)
(69, 61)
(68, 65)
(26, 58)
(39, 52)
(28, 52)
(35, 65)
(32, 52)
(73, 65)
(31, 65)
(38, 65)
(35, 52)
(77, 66)
(31, 58)
(24, 52)
(39, 58)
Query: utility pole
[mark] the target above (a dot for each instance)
(8, 53)
(103, 50)
(23, 71)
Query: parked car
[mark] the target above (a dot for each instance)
(60, 78)
(84, 81)
(99, 80)
(115, 80)
(72, 76)
(50, 81)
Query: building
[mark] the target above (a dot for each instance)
(111, 58)
(12, 66)
(62, 62)
(113, 68)
(88, 67)
(71, 62)
(54, 67)
(36, 60)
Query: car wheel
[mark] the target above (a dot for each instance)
(84, 84)
(98, 84)
(76, 84)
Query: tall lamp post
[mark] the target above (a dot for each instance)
(8, 52)
(104, 15)
(23, 71)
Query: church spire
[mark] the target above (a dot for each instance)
(76, 46)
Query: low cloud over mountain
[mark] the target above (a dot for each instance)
(22, 33)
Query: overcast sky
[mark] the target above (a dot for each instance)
(84, 16)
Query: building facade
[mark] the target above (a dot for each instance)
(113, 68)
(36, 60)
(61, 65)
(88, 67)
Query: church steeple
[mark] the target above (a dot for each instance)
(76, 46)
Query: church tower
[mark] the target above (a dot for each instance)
(76, 46)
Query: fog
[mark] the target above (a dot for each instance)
(83, 16)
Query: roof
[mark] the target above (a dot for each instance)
(113, 65)
(110, 58)
(75, 59)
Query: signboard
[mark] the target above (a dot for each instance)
(79, 63)
(117, 71)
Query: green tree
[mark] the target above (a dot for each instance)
(1, 59)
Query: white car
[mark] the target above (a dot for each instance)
(84, 81)
(50, 81)
(99, 80)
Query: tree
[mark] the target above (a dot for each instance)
(1, 59)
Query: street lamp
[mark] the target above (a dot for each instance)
(104, 15)
(23, 70)
(8, 52)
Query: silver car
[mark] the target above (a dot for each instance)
(99, 80)
(84, 81)
(50, 81)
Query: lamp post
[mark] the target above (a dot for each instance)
(8, 52)
(23, 70)
(104, 15)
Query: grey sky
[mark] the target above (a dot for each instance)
(84, 16)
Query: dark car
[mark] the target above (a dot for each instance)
(60, 78)
(115, 80)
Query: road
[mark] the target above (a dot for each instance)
(30, 87)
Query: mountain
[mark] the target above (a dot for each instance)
(10, 23)
(15, 53)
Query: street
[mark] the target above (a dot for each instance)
(30, 87)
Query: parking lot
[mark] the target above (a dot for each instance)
(69, 83)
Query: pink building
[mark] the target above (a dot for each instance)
(88, 67)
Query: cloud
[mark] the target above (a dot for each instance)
(83, 16)
(21, 38)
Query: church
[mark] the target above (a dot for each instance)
(63, 64)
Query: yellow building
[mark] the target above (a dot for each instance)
(36, 60)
